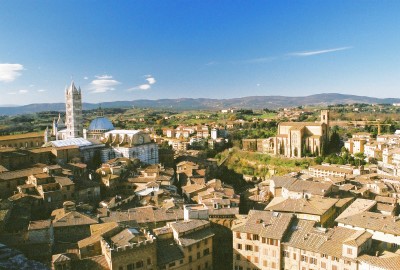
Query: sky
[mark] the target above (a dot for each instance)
(152, 49)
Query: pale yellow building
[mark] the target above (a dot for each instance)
(257, 240)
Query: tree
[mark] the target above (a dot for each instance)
(359, 158)
(335, 143)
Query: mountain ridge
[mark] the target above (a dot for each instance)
(248, 102)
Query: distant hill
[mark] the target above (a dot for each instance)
(251, 102)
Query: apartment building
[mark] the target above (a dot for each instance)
(385, 229)
(307, 246)
(185, 245)
(257, 240)
(330, 170)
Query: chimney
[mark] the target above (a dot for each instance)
(69, 206)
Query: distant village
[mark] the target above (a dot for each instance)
(98, 197)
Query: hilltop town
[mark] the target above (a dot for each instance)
(128, 188)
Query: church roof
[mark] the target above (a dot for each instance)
(300, 124)
(68, 142)
(101, 123)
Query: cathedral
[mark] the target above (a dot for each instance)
(101, 136)
(295, 138)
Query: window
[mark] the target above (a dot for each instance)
(313, 260)
(238, 257)
(171, 264)
(206, 252)
(205, 241)
(255, 237)
(304, 258)
(272, 242)
(336, 259)
(238, 235)
(190, 259)
(323, 265)
(249, 247)
(239, 246)
(265, 263)
(349, 251)
(190, 248)
(198, 255)
(294, 256)
(139, 264)
(286, 254)
(256, 248)
(256, 259)
(263, 240)
(198, 245)
(148, 261)
(206, 265)
(249, 236)
(273, 264)
(130, 266)
(334, 267)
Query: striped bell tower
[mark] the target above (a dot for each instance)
(73, 104)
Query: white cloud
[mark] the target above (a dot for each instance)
(151, 80)
(85, 78)
(9, 72)
(260, 60)
(104, 77)
(140, 87)
(103, 83)
(22, 91)
(311, 53)
(41, 90)
(146, 86)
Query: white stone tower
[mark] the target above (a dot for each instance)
(73, 104)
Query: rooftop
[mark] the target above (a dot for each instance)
(373, 221)
(71, 142)
(188, 225)
(358, 206)
(313, 206)
(265, 223)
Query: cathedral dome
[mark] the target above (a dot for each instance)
(100, 123)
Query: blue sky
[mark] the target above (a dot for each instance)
(127, 50)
